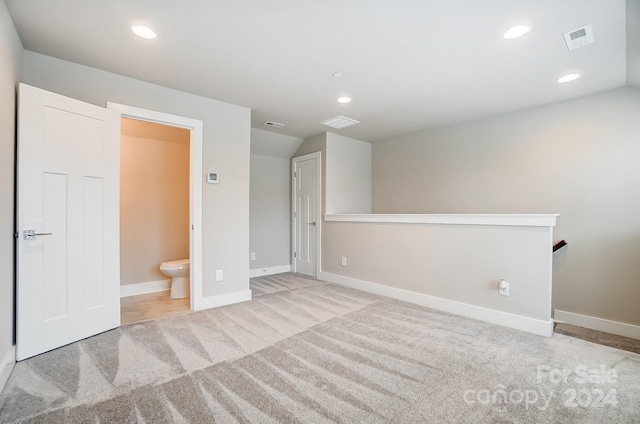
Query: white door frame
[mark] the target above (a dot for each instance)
(195, 186)
(294, 219)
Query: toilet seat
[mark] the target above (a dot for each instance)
(177, 264)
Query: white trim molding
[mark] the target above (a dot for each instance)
(6, 366)
(144, 288)
(598, 324)
(519, 220)
(261, 272)
(222, 300)
(505, 319)
(196, 177)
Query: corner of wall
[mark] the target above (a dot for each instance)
(6, 366)
(11, 69)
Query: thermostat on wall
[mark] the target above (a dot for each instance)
(212, 178)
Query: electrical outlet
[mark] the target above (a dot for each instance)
(219, 275)
(344, 261)
(253, 256)
(503, 288)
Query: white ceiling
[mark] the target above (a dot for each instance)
(408, 65)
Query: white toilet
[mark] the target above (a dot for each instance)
(179, 273)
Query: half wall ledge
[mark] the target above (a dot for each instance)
(451, 262)
(517, 220)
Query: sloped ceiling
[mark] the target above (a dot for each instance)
(407, 65)
(268, 143)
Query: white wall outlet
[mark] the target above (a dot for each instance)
(344, 261)
(253, 256)
(503, 288)
(219, 275)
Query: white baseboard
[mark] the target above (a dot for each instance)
(598, 324)
(519, 322)
(6, 366)
(261, 272)
(222, 300)
(144, 288)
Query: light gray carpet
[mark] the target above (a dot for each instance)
(308, 352)
(607, 339)
(281, 282)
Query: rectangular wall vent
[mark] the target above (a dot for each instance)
(339, 122)
(579, 37)
(273, 124)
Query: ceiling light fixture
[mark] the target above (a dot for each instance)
(516, 31)
(337, 74)
(344, 99)
(568, 78)
(144, 32)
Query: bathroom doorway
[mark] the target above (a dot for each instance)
(154, 216)
(160, 221)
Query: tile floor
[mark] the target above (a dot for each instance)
(152, 305)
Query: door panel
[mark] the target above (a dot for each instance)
(56, 291)
(306, 216)
(93, 243)
(68, 188)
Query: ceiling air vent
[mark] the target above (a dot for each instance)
(273, 124)
(339, 122)
(579, 37)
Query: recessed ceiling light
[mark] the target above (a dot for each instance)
(568, 78)
(337, 74)
(516, 31)
(144, 32)
(344, 99)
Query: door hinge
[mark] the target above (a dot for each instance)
(295, 175)
(295, 254)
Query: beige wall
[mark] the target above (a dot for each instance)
(451, 262)
(154, 199)
(270, 198)
(270, 214)
(578, 158)
(633, 43)
(10, 71)
(226, 147)
(348, 175)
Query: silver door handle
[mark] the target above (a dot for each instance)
(31, 234)
(312, 223)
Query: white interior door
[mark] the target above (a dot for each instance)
(306, 214)
(68, 273)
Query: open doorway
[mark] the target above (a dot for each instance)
(193, 128)
(154, 220)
